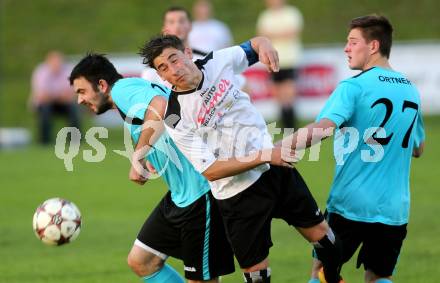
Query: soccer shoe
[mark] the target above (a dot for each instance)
(322, 278)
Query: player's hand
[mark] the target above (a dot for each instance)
(150, 167)
(138, 172)
(268, 55)
(282, 157)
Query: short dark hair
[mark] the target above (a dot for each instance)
(94, 67)
(177, 9)
(375, 27)
(155, 46)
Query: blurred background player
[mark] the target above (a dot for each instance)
(186, 223)
(283, 25)
(176, 21)
(52, 95)
(369, 201)
(207, 33)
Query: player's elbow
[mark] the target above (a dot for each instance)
(418, 151)
(210, 175)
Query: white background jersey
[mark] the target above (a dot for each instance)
(217, 121)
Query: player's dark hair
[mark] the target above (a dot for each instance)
(177, 9)
(94, 67)
(375, 27)
(155, 46)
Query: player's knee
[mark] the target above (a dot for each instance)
(258, 273)
(371, 277)
(329, 249)
(379, 280)
(133, 264)
(264, 264)
(325, 241)
(144, 265)
(315, 233)
(259, 276)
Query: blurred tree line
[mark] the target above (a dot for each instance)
(28, 29)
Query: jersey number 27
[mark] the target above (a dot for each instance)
(389, 110)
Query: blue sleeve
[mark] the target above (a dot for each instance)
(133, 96)
(341, 103)
(251, 55)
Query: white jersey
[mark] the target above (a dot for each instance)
(217, 121)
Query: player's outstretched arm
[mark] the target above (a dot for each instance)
(267, 54)
(306, 137)
(232, 166)
(152, 129)
(236, 165)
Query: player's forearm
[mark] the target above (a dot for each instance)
(233, 166)
(311, 134)
(145, 143)
(152, 128)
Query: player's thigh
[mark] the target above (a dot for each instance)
(206, 252)
(349, 232)
(159, 234)
(295, 204)
(247, 218)
(381, 248)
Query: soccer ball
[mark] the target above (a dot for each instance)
(57, 221)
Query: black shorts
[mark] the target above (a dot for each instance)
(194, 234)
(284, 74)
(280, 192)
(381, 243)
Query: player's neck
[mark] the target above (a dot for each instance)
(377, 61)
(110, 98)
(193, 83)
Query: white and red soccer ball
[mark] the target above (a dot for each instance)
(57, 221)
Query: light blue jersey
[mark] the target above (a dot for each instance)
(132, 96)
(371, 182)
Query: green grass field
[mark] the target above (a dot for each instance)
(114, 209)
